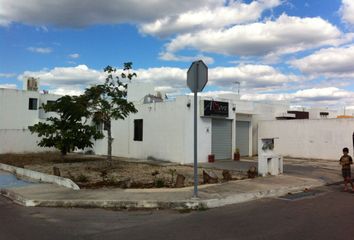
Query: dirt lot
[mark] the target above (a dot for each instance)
(90, 171)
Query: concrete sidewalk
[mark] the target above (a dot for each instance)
(298, 177)
(210, 196)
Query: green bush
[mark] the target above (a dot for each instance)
(82, 178)
(160, 183)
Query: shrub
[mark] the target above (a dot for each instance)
(82, 178)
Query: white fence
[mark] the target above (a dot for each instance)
(317, 139)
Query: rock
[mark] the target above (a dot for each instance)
(209, 177)
(252, 172)
(126, 183)
(180, 181)
(226, 175)
(56, 171)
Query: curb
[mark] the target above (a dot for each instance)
(189, 204)
(42, 177)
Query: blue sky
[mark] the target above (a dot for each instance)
(294, 50)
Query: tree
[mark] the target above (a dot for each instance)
(68, 129)
(108, 101)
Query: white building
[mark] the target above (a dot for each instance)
(164, 129)
(20, 109)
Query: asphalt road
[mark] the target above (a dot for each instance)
(327, 215)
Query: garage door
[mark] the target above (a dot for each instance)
(221, 140)
(242, 137)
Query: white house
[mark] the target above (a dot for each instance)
(20, 109)
(164, 129)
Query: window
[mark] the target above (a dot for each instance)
(33, 104)
(138, 130)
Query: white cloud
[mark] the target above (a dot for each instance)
(250, 76)
(74, 55)
(227, 13)
(75, 13)
(329, 62)
(172, 57)
(284, 35)
(67, 91)
(347, 11)
(163, 76)
(253, 78)
(40, 50)
(80, 75)
(7, 75)
(8, 85)
(330, 96)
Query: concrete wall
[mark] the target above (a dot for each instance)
(318, 139)
(15, 118)
(167, 133)
(163, 135)
(14, 108)
(262, 112)
(19, 141)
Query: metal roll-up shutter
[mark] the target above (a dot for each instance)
(221, 140)
(242, 137)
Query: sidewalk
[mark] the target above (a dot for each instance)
(210, 196)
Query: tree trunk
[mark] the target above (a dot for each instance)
(110, 140)
(63, 151)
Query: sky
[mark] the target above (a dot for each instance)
(298, 51)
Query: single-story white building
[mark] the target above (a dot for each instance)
(163, 128)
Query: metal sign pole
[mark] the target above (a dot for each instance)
(197, 78)
(196, 137)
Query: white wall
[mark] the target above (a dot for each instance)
(262, 112)
(163, 132)
(14, 109)
(15, 118)
(19, 141)
(318, 139)
(314, 113)
(167, 133)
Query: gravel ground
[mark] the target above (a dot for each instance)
(94, 172)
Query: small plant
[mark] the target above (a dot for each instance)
(237, 154)
(82, 178)
(160, 183)
(104, 174)
(111, 181)
(155, 173)
(173, 173)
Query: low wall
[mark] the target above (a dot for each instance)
(42, 177)
(19, 141)
(317, 139)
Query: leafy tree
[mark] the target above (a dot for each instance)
(108, 101)
(68, 129)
